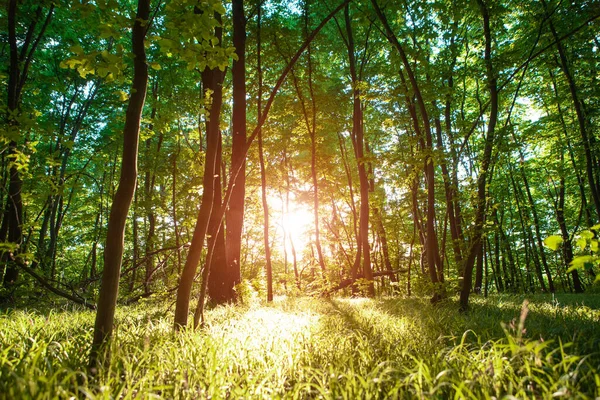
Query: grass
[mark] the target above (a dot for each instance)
(315, 348)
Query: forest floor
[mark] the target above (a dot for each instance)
(315, 348)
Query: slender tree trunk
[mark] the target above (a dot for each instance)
(576, 169)
(174, 207)
(235, 212)
(113, 250)
(482, 179)
(432, 250)
(586, 135)
(263, 176)
(220, 288)
(567, 247)
(287, 208)
(479, 271)
(17, 76)
(136, 249)
(148, 195)
(359, 146)
(182, 304)
(313, 150)
(536, 225)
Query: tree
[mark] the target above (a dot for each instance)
(115, 236)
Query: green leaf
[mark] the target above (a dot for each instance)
(581, 243)
(155, 66)
(553, 242)
(122, 95)
(587, 235)
(579, 262)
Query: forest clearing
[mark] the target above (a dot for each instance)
(316, 348)
(300, 199)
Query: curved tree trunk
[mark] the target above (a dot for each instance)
(432, 249)
(211, 81)
(113, 250)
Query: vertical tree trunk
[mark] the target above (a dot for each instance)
(432, 250)
(17, 76)
(536, 225)
(482, 179)
(220, 288)
(113, 250)
(174, 208)
(149, 195)
(359, 151)
(586, 135)
(567, 247)
(576, 169)
(235, 212)
(263, 176)
(182, 304)
(136, 249)
(527, 235)
(479, 271)
(311, 126)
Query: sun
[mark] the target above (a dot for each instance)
(294, 222)
(297, 224)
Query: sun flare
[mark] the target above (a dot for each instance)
(295, 223)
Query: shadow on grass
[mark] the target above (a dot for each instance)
(564, 321)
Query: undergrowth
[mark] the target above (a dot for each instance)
(314, 348)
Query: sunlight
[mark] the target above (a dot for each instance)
(296, 223)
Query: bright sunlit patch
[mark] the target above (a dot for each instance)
(295, 222)
(266, 337)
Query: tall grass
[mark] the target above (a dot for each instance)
(315, 348)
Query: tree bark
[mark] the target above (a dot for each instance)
(113, 250)
(359, 151)
(263, 176)
(587, 137)
(211, 81)
(313, 150)
(17, 76)
(482, 179)
(432, 250)
(235, 212)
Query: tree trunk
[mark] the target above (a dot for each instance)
(113, 250)
(263, 176)
(482, 179)
(220, 288)
(567, 247)
(432, 250)
(359, 151)
(17, 76)
(536, 224)
(586, 136)
(313, 150)
(235, 212)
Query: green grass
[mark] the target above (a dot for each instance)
(315, 348)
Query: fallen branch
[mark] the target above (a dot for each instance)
(55, 290)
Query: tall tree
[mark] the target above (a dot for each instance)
(20, 60)
(235, 211)
(482, 179)
(115, 236)
(432, 249)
